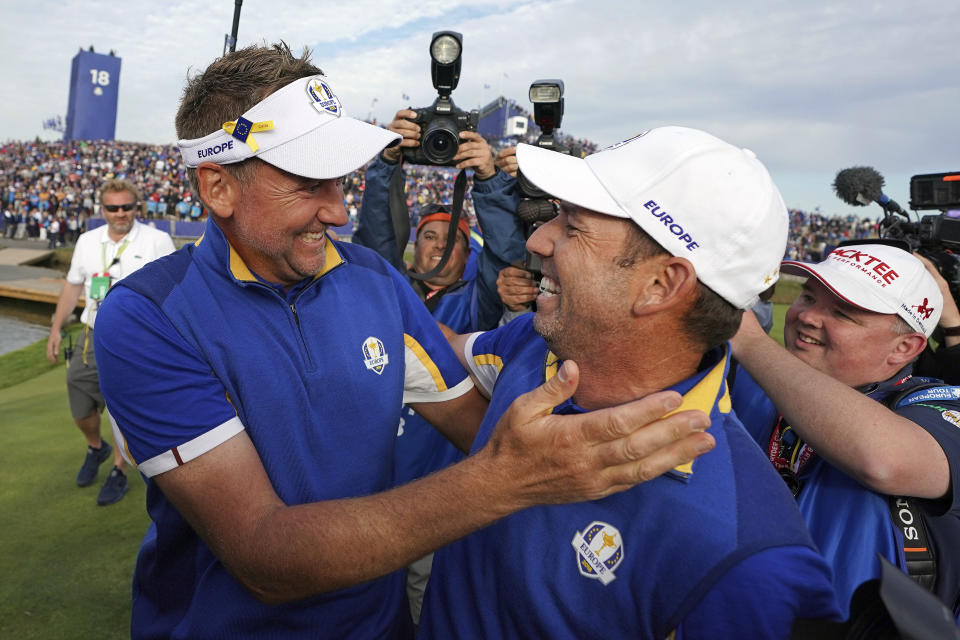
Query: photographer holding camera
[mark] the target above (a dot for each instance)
(462, 295)
(876, 433)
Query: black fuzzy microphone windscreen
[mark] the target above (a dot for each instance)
(859, 186)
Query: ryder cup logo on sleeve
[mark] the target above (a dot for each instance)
(599, 550)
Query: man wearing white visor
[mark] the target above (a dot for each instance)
(660, 242)
(847, 425)
(269, 364)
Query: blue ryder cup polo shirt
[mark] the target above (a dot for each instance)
(194, 348)
(712, 550)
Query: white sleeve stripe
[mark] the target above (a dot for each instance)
(119, 441)
(453, 392)
(483, 369)
(192, 449)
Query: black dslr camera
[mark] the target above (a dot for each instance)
(442, 122)
(935, 237)
(535, 207)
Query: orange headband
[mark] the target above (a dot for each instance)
(445, 217)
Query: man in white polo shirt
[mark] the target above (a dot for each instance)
(102, 257)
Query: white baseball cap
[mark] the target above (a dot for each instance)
(879, 278)
(300, 128)
(699, 197)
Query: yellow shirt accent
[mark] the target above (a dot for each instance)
(129, 455)
(332, 258)
(550, 366)
(242, 272)
(239, 268)
(414, 346)
(700, 397)
(489, 358)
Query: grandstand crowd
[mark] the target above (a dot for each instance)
(49, 191)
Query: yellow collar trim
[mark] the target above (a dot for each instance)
(701, 397)
(242, 272)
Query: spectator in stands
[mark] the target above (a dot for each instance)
(462, 296)
(101, 258)
(73, 228)
(53, 233)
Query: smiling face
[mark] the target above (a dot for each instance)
(427, 250)
(278, 225)
(852, 345)
(585, 292)
(119, 222)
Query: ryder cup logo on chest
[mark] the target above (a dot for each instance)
(322, 96)
(599, 550)
(374, 355)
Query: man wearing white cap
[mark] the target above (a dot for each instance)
(849, 427)
(659, 244)
(269, 364)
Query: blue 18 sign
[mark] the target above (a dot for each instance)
(94, 88)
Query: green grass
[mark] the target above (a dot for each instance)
(787, 291)
(65, 563)
(30, 361)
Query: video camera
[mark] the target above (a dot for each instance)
(935, 237)
(535, 207)
(442, 122)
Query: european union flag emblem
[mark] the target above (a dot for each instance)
(242, 129)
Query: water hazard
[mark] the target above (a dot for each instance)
(16, 333)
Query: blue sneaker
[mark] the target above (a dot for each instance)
(113, 489)
(91, 465)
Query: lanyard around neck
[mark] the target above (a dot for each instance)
(116, 258)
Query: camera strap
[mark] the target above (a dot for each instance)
(399, 213)
(918, 551)
(459, 188)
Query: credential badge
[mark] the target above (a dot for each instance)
(374, 355)
(599, 551)
(322, 97)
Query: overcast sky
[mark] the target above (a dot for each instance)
(811, 86)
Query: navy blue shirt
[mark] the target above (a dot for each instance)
(850, 523)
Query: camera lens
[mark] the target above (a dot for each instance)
(529, 189)
(536, 210)
(440, 141)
